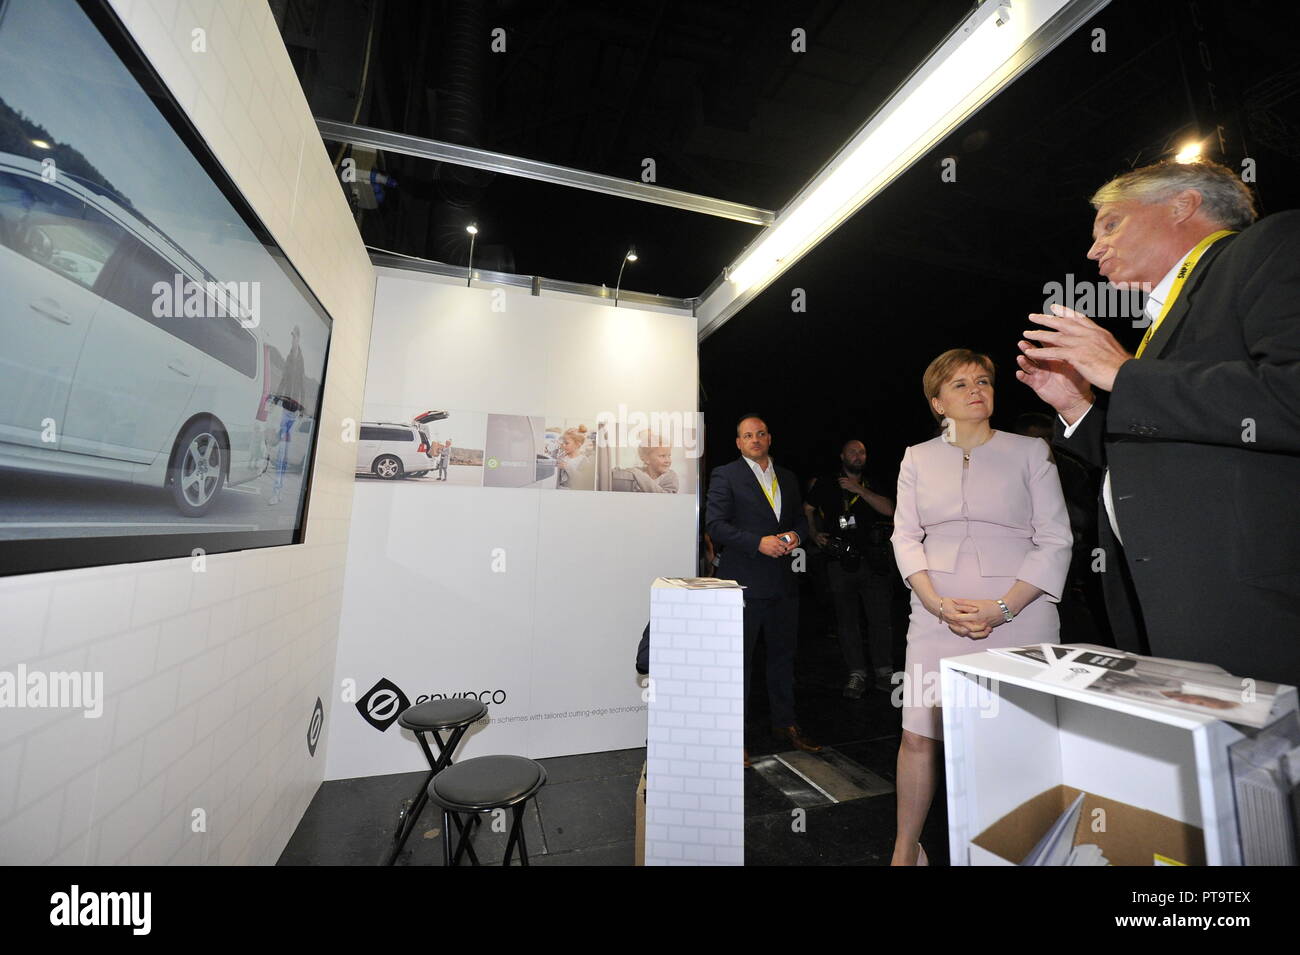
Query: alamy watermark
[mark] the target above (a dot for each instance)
(921, 688)
(59, 690)
(1099, 300)
(184, 297)
(627, 428)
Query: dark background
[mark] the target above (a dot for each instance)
(714, 93)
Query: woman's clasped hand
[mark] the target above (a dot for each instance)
(970, 618)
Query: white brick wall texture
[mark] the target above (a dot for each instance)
(695, 807)
(209, 678)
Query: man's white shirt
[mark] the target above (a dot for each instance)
(1155, 302)
(767, 479)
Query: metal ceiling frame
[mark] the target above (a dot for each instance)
(334, 131)
(721, 300)
(536, 283)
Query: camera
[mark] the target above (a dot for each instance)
(841, 548)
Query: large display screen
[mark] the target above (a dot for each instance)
(161, 362)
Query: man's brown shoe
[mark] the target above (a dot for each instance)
(794, 736)
(748, 764)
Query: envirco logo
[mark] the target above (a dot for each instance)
(55, 691)
(103, 908)
(314, 727)
(483, 696)
(382, 704)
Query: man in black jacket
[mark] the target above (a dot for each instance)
(1199, 432)
(755, 514)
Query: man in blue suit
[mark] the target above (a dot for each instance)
(756, 516)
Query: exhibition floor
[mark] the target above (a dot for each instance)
(861, 747)
(584, 815)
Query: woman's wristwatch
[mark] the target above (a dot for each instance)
(1007, 615)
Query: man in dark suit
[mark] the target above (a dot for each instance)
(1199, 432)
(755, 515)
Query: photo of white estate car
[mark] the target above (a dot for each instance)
(93, 383)
(390, 450)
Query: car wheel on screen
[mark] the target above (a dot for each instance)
(388, 467)
(198, 470)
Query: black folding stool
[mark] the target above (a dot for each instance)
(481, 785)
(434, 717)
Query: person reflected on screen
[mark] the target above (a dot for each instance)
(289, 396)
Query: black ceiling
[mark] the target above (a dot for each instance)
(714, 94)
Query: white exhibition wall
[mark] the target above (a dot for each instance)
(210, 679)
(531, 597)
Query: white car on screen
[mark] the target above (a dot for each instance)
(92, 383)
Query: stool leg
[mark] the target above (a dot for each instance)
(408, 822)
(510, 840)
(465, 845)
(517, 838)
(445, 750)
(446, 838)
(519, 821)
(436, 765)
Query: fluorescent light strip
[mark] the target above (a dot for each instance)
(992, 34)
(997, 42)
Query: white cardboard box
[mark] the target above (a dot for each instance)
(1009, 738)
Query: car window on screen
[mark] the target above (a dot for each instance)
(232, 344)
(132, 288)
(56, 229)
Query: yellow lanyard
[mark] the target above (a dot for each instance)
(769, 493)
(1179, 280)
(848, 502)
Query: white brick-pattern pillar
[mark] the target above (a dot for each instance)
(695, 794)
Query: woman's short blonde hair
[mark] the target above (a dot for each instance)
(945, 367)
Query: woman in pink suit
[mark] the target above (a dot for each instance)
(982, 538)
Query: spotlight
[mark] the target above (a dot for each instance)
(40, 144)
(629, 257)
(472, 229)
(1189, 153)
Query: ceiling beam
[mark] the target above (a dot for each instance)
(333, 131)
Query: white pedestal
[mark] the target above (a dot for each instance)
(695, 793)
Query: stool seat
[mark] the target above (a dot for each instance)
(487, 782)
(441, 714)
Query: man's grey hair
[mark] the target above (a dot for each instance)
(1224, 197)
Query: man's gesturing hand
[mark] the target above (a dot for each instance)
(1055, 381)
(1088, 348)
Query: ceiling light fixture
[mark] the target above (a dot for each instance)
(630, 257)
(472, 229)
